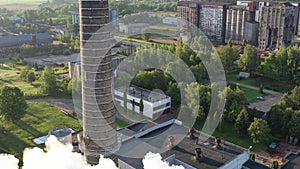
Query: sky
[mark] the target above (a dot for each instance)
(59, 156)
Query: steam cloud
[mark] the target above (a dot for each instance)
(59, 156)
(154, 161)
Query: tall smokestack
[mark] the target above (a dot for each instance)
(99, 135)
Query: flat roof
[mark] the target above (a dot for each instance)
(138, 92)
(157, 140)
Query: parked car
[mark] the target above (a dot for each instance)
(260, 98)
(273, 146)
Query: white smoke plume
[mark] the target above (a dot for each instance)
(60, 156)
(8, 161)
(154, 161)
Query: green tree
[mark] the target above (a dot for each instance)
(294, 124)
(274, 119)
(252, 156)
(31, 77)
(242, 122)
(70, 87)
(229, 43)
(24, 73)
(250, 59)
(154, 79)
(145, 36)
(293, 63)
(133, 104)
(192, 101)
(50, 21)
(259, 131)
(49, 82)
(275, 164)
(12, 103)
(174, 92)
(282, 57)
(227, 55)
(125, 99)
(235, 99)
(199, 72)
(261, 89)
(141, 105)
(295, 97)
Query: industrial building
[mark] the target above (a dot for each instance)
(12, 42)
(209, 17)
(214, 152)
(278, 24)
(99, 136)
(154, 103)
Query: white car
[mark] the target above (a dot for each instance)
(260, 98)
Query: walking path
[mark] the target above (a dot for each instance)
(256, 88)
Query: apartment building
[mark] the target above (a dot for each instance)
(209, 17)
(277, 25)
(235, 24)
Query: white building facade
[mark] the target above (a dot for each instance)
(154, 103)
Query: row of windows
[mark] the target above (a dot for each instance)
(138, 104)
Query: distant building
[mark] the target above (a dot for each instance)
(235, 24)
(13, 42)
(116, 59)
(251, 33)
(133, 28)
(170, 20)
(277, 25)
(298, 30)
(154, 103)
(209, 17)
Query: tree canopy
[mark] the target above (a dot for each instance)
(48, 79)
(12, 103)
(250, 59)
(227, 55)
(259, 131)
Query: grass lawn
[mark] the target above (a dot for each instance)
(40, 118)
(229, 134)
(133, 40)
(121, 123)
(250, 94)
(269, 84)
(164, 29)
(9, 76)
